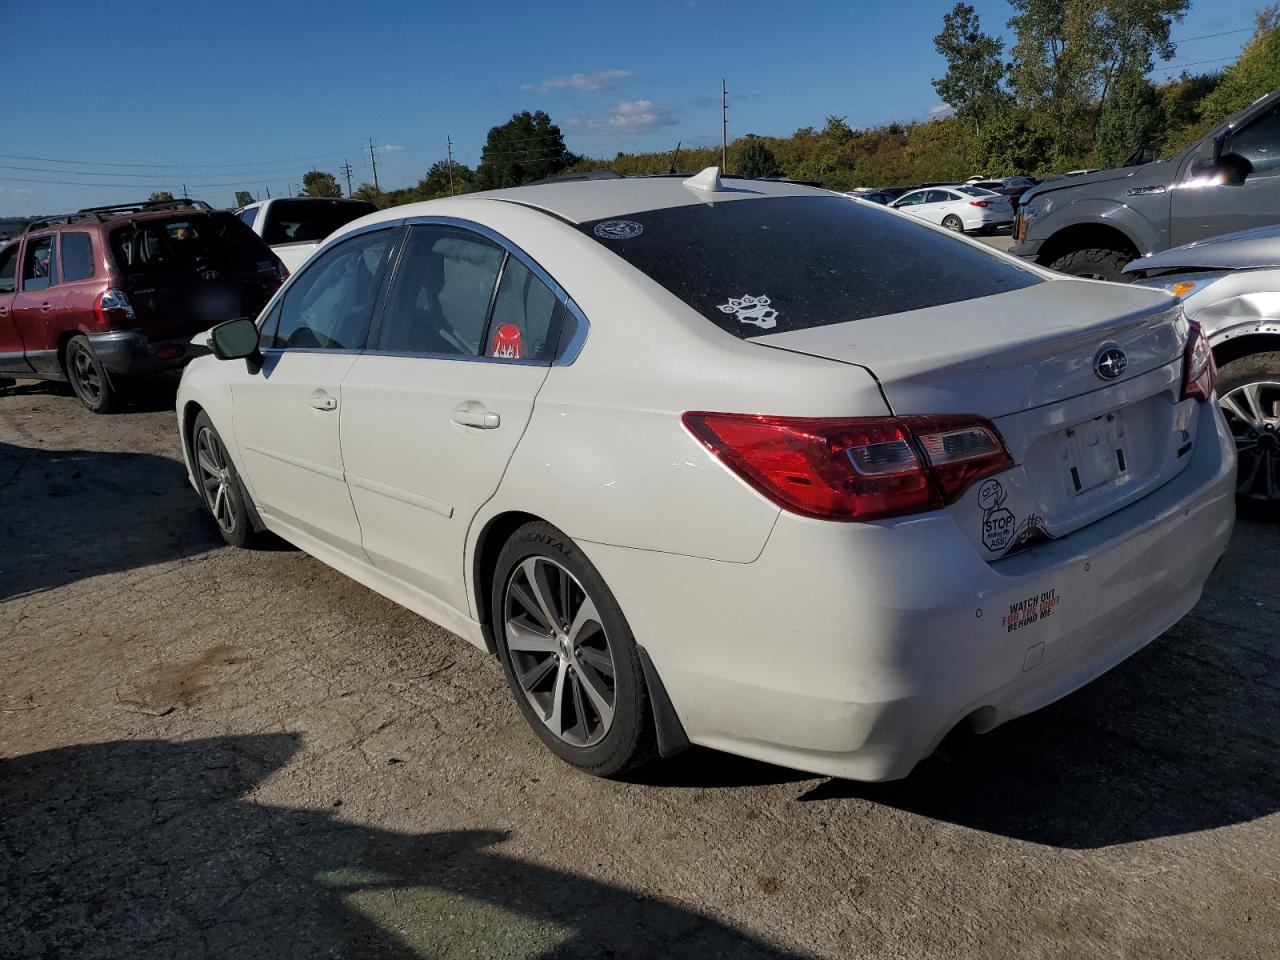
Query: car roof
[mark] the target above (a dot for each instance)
(581, 201)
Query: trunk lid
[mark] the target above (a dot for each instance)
(1083, 445)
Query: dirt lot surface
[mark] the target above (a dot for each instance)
(213, 753)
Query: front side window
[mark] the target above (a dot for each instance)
(911, 199)
(329, 305)
(439, 300)
(9, 269)
(777, 264)
(40, 264)
(77, 256)
(1259, 142)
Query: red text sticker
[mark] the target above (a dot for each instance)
(506, 342)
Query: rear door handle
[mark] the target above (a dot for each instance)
(482, 419)
(44, 307)
(323, 401)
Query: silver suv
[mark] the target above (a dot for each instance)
(1094, 224)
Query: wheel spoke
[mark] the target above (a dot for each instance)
(591, 683)
(585, 616)
(206, 464)
(530, 605)
(1230, 405)
(217, 502)
(555, 719)
(1251, 391)
(524, 640)
(579, 706)
(598, 660)
(535, 572)
(536, 674)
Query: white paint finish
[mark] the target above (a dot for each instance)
(998, 209)
(289, 448)
(423, 477)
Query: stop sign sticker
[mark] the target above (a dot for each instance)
(997, 529)
(506, 342)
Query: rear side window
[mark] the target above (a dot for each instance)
(248, 216)
(439, 300)
(9, 269)
(523, 311)
(310, 221)
(753, 267)
(40, 264)
(196, 244)
(77, 256)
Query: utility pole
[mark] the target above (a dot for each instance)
(268, 193)
(724, 127)
(449, 151)
(346, 172)
(374, 161)
(184, 192)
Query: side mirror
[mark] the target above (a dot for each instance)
(1230, 169)
(235, 340)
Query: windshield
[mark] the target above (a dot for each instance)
(310, 221)
(790, 263)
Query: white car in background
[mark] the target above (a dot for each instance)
(962, 208)
(294, 226)
(748, 466)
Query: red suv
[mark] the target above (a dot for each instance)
(116, 292)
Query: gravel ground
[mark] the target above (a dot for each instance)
(214, 753)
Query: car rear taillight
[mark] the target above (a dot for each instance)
(858, 468)
(1200, 373)
(979, 203)
(112, 306)
(1019, 226)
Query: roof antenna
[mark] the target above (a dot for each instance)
(708, 181)
(671, 167)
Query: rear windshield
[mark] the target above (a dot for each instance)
(789, 263)
(191, 243)
(310, 221)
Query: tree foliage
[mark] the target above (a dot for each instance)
(317, 183)
(160, 196)
(1256, 72)
(756, 160)
(243, 198)
(437, 181)
(527, 147)
(1131, 120)
(973, 84)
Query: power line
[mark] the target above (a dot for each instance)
(1210, 36)
(1193, 63)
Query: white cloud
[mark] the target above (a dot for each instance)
(391, 148)
(601, 80)
(641, 116)
(939, 109)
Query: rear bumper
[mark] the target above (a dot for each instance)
(130, 353)
(852, 649)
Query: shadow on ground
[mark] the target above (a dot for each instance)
(147, 849)
(66, 515)
(1180, 738)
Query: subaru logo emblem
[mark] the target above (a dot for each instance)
(1110, 362)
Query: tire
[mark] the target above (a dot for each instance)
(7, 382)
(552, 666)
(953, 223)
(220, 487)
(1249, 394)
(1095, 263)
(89, 378)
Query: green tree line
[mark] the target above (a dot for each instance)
(1073, 90)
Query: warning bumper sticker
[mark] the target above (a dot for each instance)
(1034, 608)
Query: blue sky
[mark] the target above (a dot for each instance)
(233, 94)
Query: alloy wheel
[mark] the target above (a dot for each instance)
(559, 651)
(215, 478)
(1252, 411)
(86, 375)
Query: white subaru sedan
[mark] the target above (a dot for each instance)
(733, 463)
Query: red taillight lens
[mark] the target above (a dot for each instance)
(1200, 373)
(979, 203)
(112, 306)
(860, 468)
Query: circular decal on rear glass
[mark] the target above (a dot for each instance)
(618, 229)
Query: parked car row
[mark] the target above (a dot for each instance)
(107, 294)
